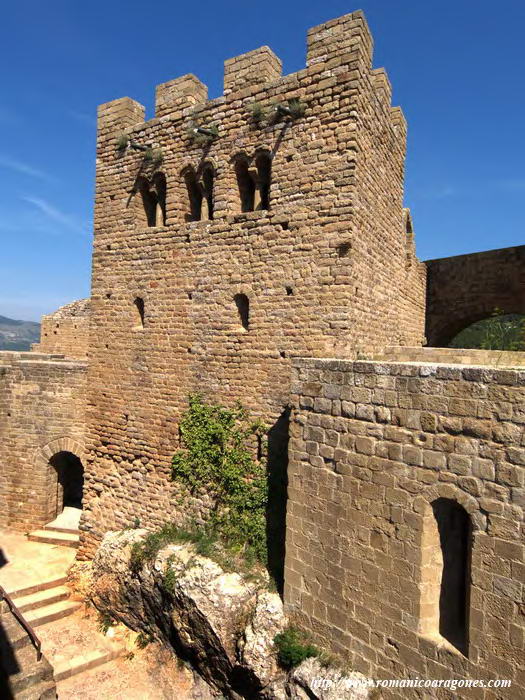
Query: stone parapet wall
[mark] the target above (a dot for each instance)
(42, 411)
(491, 358)
(66, 331)
(372, 446)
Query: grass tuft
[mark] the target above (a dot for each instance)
(293, 648)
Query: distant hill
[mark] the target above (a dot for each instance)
(18, 335)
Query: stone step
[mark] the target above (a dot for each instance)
(62, 539)
(84, 662)
(52, 612)
(40, 599)
(42, 586)
(57, 528)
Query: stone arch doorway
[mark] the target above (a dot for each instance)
(68, 480)
(60, 466)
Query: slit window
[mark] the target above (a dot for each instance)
(243, 308)
(138, 313)
(445, 574)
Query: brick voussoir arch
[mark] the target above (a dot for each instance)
(61, 444)
(468, 502)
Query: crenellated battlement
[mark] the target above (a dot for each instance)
(337, 52)
(253, 69)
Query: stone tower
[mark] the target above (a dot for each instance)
(231, 235)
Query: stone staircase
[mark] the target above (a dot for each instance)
(49, 535)
(70, 641)
(63, 531)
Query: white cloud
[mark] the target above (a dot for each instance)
(24, 168)
(55, 214)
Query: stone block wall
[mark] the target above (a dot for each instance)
(374, 448)
(324, 267)
(66, 331)
(42, 412)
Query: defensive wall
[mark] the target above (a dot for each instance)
(42, 413)
(404, 547)
(66, 331)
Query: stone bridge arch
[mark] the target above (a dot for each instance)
(467, 288)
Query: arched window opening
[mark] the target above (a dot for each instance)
(246, 184)
(207, 182)
(263, 163)
(200, 189)
(68, 487)
(159, 185)
(243, 307)
(153, 198)
(138, 315)
(194, 195)
(445, 573)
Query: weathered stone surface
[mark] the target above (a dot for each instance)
(364, 556)
(42, 412)
(223, 624)
(313, 681)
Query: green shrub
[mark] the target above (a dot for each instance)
(499, 332)
(143, 640)
(296, 107)
(153, 155)
(202, 139)
(105, 621)
(257, 112)
(121, 142)
(292, 648)
(147, 549)
(218, 457)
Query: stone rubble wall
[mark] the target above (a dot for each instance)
(325, 268)
(372, 445)
(42, 412)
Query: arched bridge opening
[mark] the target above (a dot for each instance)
(465, 289)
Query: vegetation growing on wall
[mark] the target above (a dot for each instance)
(293, 648)
(222, 455)
(499, 332)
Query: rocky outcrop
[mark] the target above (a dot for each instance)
(222, 623)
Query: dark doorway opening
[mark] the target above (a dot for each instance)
(70, 480)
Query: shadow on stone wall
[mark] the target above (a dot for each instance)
(277, 495)
(8, 665)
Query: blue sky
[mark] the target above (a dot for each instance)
(457, 69)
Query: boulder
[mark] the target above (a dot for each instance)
(222, 623)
